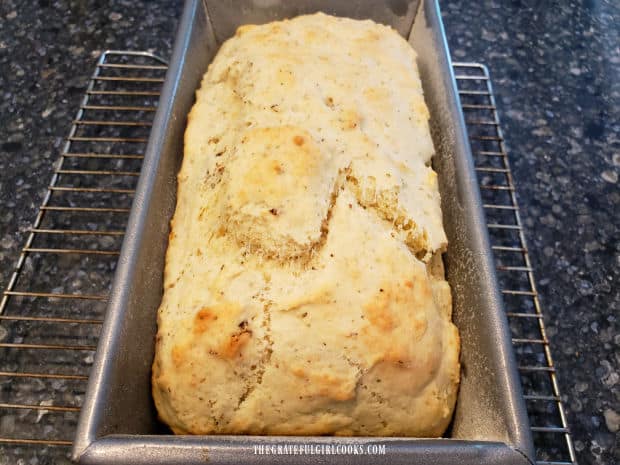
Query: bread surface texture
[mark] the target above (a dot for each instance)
(304, 291)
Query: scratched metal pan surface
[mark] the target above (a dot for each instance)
(118, 422)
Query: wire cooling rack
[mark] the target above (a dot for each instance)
(54, 304)
(552, 438)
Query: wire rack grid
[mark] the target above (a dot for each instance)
(54, 303)
(549, 427)
(52, 309)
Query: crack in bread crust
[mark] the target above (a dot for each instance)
(264, 361)
(385, 205)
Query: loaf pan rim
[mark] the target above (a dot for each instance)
(86, 437)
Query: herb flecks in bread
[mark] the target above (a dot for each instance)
(304, 287)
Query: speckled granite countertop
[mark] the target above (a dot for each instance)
(555, 66)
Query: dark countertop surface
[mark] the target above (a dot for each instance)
(555, 67)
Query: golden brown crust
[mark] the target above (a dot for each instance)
(304, 289)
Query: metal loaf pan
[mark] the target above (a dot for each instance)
(118, 423)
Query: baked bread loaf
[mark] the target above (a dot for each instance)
(304, 286)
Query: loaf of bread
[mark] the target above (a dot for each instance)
(304, 285)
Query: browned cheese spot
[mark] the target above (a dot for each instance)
(277, 167)
(203, 320)
(235, 344)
